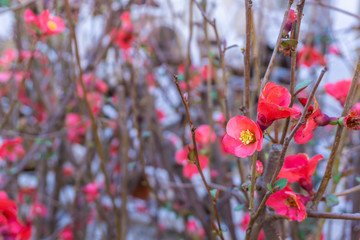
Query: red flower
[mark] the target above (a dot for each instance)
(352, 120)
(204, 135)
(299, 168)
(186, 158)
(273, 105)
(66, 233)
(259, 169)
(38, 210)
(290, 19)
(160, 114)
(339, 90)
(313, 118)
(68, 170)
(309, 56)
(10, 226)
(287, 203)
(91, 192)
(243, 137)
(204, 71)
(124, 36)
(44, 23)
(12, 149)
(194, 228)
(76, 127)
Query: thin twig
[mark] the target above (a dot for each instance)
(246, 93)
(276, 48)
(336, 143)
(296, 128)
(197, 162)
(320, 3)
(93, 121)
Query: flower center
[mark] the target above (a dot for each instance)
(51, 25)
(291, 202)
(247, 137)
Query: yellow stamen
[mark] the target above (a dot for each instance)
(247, 137)
(292, 202)
(51, 25)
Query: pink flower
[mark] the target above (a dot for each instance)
(91, 192)
(194, 229)
(287, 203)
(12, 149)
(160, 114)
(44, 24)
(186, 158)
(204, 135)
(66, 233)
(243, 136)
(299, 168)
(68, 170)
(290, 19)
(309, 56)
(259, 169)
(76, 127)
(50, 25)
(339, 90)
(38, 210)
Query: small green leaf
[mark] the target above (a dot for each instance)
(302, 85)
(288, 42)
(357, 179)
(269, 187)
(213, 192)
(239, 207)
(282, 182)
(331, 200)
(38, 140)
(180, 77)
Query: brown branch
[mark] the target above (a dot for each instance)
(197, 162)
(320, 3)
(246, 93)
(335, 146)
(277, 45)
(93, 120)
(297, 126)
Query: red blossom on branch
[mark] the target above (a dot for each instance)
(339, 90)
(273, 105)
(309, 56)
(299, 168)
(243, 137)
(12, 149)
(186, 158)
(287, 203)
(44, 24)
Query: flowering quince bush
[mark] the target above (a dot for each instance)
(119, 120)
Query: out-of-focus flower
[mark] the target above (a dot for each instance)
(66, 233)
(273, 105)
(204, 135)
(12, 149)
(91, 191)
(243, 137)
(309, 56)
(124, 36)
(38, 210)
(299, 168)
(287, 203)
(339, 90)
(68, 170)
(187, 158)
(333, 49)
(76, 127)
(193, 228)
(160, 115)
(10, 226)
(44, 24)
